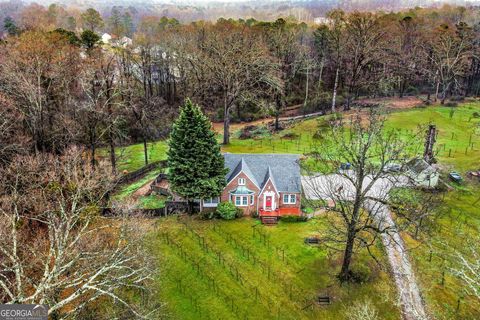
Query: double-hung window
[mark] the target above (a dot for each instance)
(289, 199)
(242, 201)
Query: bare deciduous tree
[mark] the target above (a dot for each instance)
(55, 250)
(467, 267)
(449, 50)
(38, 73)
(233, 62)
(364, 310)
(358, 193)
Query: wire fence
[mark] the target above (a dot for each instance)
(255, 293)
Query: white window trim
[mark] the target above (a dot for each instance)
(241, 181)
(210, 203)
(289, 198)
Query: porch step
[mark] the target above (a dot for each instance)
(269, 220)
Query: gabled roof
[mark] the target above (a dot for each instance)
(242, 166)
(269, 176)
(282, 169)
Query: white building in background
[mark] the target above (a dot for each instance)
(421, 173)
(322, 20)
(106, 38)
(125, 42)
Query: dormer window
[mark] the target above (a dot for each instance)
(241, 181)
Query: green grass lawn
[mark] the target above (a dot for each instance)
(152, 201)
(269, 274)
(459, 218)
(131, 158)
(458, 149)
(296, 139)
(128, 190)
(432, 260)
(458, 132)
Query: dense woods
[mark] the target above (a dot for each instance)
(77, 90)
(68, 100)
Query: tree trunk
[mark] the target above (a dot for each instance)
(278, 103)
(306, 94)
(113, 159)
(239, 116)
(347, 257)
(226, 122)
(402, 88)
(145, 150)
(319, 85)
(92, 150)
(190, 206)
(334, 97)
(436, 91)
(444, 93)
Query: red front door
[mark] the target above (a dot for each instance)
(268, 202)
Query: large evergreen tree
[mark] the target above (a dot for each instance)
(197, 168)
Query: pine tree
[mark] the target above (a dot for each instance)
(10, 26)
(196, 166)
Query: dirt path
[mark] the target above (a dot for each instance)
(293, 111)
(409, 294)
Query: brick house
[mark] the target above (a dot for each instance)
(269, 184)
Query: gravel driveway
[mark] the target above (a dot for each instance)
(322, 186)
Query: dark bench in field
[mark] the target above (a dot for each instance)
(324, 300)
(311, 240)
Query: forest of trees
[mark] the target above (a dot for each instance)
(64, 86)
(64, 94)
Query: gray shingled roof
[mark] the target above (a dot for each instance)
(242, 166)
(283, 168)
(418, 166)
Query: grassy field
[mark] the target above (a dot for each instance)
(432, 260)
(128, 190)
(458, 132)
(458, 149)
(127, 193)
(131, 158)
(243, 270)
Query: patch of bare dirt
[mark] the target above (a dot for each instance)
(142, 191)
(395, 103)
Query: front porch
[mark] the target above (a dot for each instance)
(279, 212)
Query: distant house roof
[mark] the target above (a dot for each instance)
(282, 169)
(106, 38)
(419, 165)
